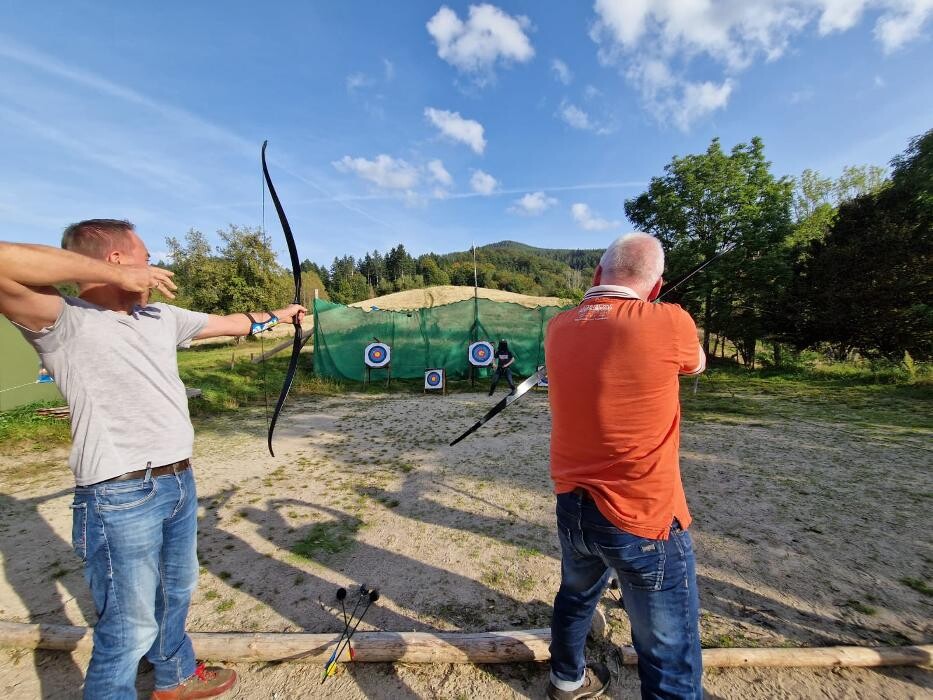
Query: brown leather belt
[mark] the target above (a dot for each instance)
(173, 468)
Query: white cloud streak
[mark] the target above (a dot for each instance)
(487, 37)
(589, 221)
(452, 125)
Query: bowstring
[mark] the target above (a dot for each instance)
(262, 342)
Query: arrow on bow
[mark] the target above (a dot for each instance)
(296, 274)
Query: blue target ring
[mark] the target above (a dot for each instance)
(481, 354)
(377, 355)
(433, 379)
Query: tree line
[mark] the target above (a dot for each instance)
(839, 264)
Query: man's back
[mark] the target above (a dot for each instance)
(613, 366)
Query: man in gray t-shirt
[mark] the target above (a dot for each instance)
(113, 355)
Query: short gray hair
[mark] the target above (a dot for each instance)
(636, 257)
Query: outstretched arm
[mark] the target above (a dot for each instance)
(240, 324)
(29, 272)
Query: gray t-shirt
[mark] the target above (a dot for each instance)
(119, 374)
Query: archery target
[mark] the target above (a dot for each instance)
(377, 355)
(434, 379)
(481, 354)
(542, 381)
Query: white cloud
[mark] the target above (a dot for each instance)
(656, 42)
(579, 119)
(584, 216)
(483, 183)
(456, 127)
(591, 91)
(698, 100)
(488, 36)
(389, 69)
(439, 173)
(575, 116)
(879, 81)
(561, 71)
(532, 204)
(358, 81)
(385, 172)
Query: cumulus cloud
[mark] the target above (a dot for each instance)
(561, 71)
(385, 172)
(451, 124)
(589, 221)
(439, 173)
(483, 183)
(487, 37)
(532, 204)
(655, 43)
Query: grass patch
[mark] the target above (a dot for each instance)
(224, 605)
(326, 538)
(21, 429)
(918, 585)
(860, 607)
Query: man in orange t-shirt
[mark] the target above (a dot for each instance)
(613, 364)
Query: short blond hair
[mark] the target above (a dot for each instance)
(97, 238)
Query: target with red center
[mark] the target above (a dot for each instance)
(377, 355)
(434, 379)
(481, 354)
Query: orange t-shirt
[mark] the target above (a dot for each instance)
(613, 366)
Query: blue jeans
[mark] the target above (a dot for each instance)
(659, 591)
(138, 542)
(504, 372)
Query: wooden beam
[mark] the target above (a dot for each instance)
(305, 337)
(451, 647)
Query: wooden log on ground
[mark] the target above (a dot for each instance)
(451, 647)
(305, 337)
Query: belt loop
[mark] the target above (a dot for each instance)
(148, 477)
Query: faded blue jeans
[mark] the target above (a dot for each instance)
(659, 591)
(138, 542)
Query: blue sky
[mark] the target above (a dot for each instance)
(430, 124)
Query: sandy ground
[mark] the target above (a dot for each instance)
(448, 294)
(803, 536)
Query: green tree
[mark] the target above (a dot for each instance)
(867, 286)
(706, 202)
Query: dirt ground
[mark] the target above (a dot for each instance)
(804, 536)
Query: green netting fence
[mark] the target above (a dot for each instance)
(431, 338)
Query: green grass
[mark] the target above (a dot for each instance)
(21, 429)
(860, 607)
(326, 538)
(918, 585)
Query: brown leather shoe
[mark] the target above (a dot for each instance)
(207, 682)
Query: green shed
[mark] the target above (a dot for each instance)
(20, 378)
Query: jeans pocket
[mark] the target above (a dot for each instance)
(640, 564)
(124, 497)
(79, 529)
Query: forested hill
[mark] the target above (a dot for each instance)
(507, 265)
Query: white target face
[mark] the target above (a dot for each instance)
(434, 379)
(481, 354)
(377, 355)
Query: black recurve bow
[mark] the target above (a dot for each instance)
(296, 274)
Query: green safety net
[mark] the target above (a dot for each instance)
(432, 338)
